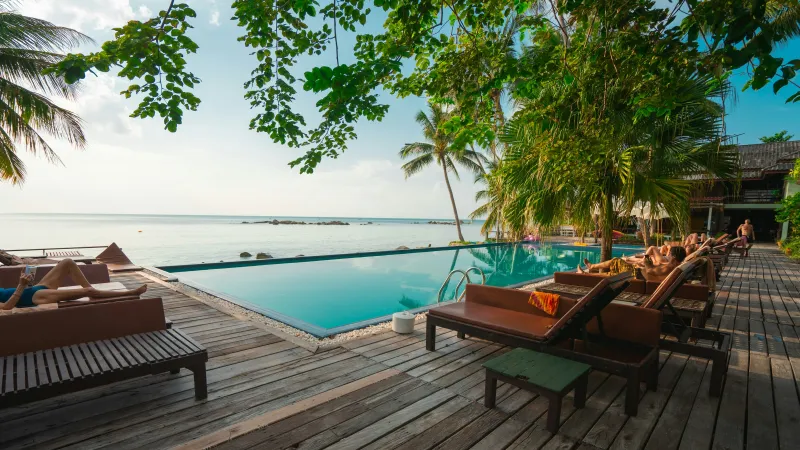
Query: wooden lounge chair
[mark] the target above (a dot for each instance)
(116, 260)
(613, 338)
(694, 301)
(57, 351)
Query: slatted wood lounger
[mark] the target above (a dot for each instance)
(97, 345)
(663, 297)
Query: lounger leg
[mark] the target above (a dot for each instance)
(717, 373)
(632, 393)
(580, 391)
(652, 376)
(490, 390)
(460, 334)
(430, 336)
(200, 386)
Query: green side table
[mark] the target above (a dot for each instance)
(547, 375)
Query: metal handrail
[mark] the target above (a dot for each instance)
(464, 276)
(44, 250)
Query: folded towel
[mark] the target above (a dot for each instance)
(545, 301)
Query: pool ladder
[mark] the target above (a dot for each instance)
(464, 277)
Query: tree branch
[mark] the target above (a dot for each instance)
(158, 37)
(335, 37)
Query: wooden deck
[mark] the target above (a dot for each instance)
(388, 392)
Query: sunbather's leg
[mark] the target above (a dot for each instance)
(655, 254)
(597, 267)
(66, 266)
(46, 296)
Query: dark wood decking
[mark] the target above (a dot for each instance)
(434, 399)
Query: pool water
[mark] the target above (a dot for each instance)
(328, 296)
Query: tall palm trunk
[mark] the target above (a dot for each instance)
(645, 231)
(607, 222)
(452, 199)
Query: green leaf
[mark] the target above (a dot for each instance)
(779, 84)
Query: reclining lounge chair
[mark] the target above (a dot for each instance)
(613, 338)
(659, 296)
(57, 351)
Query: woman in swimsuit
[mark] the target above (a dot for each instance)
(46, 291)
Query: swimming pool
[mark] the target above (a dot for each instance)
(333, 294)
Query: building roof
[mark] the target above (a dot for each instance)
(758, 160)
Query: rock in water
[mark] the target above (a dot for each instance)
(262, 255)
(402, 247)
(245, 255)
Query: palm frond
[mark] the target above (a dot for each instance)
(25, 66)
(22, 112)
(417, 164)
(11, 167)
(415, 148)
(18, 31)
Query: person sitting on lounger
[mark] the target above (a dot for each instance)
(46, 291)
(650, 270)
(691, 239)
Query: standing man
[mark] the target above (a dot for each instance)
(748, 235)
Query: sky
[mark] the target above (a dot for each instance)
(215, 165)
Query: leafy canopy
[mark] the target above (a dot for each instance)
(447, 50)
(781, 136)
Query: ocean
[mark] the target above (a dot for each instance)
(166, 239)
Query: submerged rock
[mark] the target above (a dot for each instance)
(245, 255)
(262, 255)
(402, 247)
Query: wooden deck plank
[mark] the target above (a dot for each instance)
(319, 417)
(730, 429)
(699, 427)
(787, 404)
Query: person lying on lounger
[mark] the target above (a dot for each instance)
(650, 270)
(46, 291)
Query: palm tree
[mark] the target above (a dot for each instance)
(657, 161)
(27, 46)
(439, 149)
(491, 200)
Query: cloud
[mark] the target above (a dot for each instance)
(214, 18)
(85, 15)
(145, 12)
(103, 109)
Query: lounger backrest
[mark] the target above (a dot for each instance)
(590, 279)
(671, 283)
(587, 307)
(702, 251)
(41, 330)
(94, 273)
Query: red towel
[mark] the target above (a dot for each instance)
(545, 301)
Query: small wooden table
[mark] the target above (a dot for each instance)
(547, 375)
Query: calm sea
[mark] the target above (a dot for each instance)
(164, 239)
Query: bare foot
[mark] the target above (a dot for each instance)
(141, 289)
(580, 269)
(587, 264)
